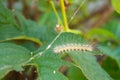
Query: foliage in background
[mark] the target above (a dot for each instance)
(27, 46)
(116, 5)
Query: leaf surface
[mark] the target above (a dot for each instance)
(11, 57)
(89, 66)
(48, 67)
(83, 59)
(116, 5)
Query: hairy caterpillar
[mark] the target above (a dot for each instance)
(72, 47)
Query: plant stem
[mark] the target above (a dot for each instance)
(66, 28)
(56, 13)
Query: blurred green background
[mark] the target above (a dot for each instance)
(95, 19)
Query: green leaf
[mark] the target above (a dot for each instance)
(17, 29)
(114, 27)
(27, 44)
(26, 29)
(89, 66)
(7, 32)
(116, 5)
(29, 28)
(114, 53)
(6, 16)
(8, 27)
(110, 65)
(100, 34)
(11, 57)
(63, 40)
(75, 42)
(44, 6)
(37, 33)
(48, 67)
(67, 39)
(74, 73)
(47, 24)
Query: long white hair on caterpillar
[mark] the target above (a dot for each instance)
(72, 47)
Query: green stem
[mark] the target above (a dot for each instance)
(66, 28)
(55, 11)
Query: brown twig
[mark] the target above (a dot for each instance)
(10, 4)
(31, 12)
(103, 17)
(26, 9)
(101, 14)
